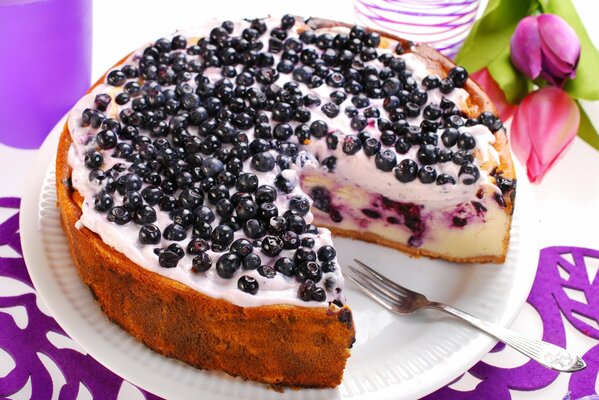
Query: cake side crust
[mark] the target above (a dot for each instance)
(294, 346)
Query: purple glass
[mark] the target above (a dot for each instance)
(444, 24)
(45, 65)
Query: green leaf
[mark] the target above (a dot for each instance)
(491, 34)
(510, 80)
(586, 130)
(585, 85)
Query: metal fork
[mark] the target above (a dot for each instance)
(400, 300)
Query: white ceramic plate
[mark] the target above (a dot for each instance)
(393, 358)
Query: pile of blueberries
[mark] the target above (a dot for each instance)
(184, 145)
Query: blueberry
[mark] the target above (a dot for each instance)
(266, 193)
(295, 223)
(106, 139)
(319, 129)
(248, 284)
(242, 247)
(251, 261)
(102, 101)
(263, 162)
(267, 271)
(332, 141)
(224, 207)
(304, 254)
(455, 121)
(203, 214)
(489, 120)
(93, 159)
(222, 235)
(272, 246)
(446, 86)
(168, 259)
(406, 171)
(308, 270)
(254, 229)
(282, 131)
(149, 234)
(306, 289)
(449, 137)
(402, 146)
(458, 75)
(116, 78)
(328, 266)
(133, 200)
(461, 157)
(201, 263)
(175, 232)
(299, 204)
(227, 265)
(167, 203)
(290, 240)
(119, 215)
(330, 163)
(466, 141)
(338, 97)
(431, 82)
(247, 182)
(103, 201)
(246, 209)
(331, 110)
(266, 211)
(197, 246)
(443, 179)
(444, 155)
(202, 230)
(191, 198)
(96, 176)
(385, 160)
(468, 174)
(285, 266)
(326, 253)
(308, 242)
(427, 154)
(371, 146)
(351, 144)
(178, 250)
(427, 174)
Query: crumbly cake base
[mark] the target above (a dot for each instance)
(280, 345)
(372, 237)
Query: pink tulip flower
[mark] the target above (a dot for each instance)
(545, 46)
(486, 81)
(544, 124)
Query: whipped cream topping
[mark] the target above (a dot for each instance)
(358, 169)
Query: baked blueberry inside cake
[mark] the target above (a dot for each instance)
(218, 161)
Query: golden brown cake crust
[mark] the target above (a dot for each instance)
(282, 345)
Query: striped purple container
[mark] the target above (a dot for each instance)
(444, 24)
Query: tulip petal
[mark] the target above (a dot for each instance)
(544, 124)
(486, 81)
(525, 47)
(519, 137)
(559, 41)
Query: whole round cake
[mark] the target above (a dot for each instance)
(200, 179)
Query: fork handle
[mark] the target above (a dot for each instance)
(546, 354)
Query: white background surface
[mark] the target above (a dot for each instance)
(567, 199)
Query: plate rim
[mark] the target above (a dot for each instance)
(30, 231)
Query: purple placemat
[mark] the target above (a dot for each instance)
(559, 267)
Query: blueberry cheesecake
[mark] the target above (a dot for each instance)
(200, 179)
